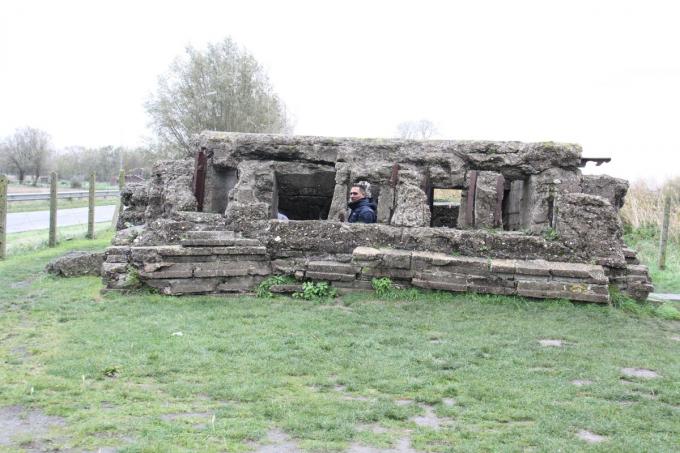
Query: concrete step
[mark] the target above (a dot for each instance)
(216, 239)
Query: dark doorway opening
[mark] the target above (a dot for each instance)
(306, 195)
(445, 207)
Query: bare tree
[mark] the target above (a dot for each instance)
(26, 152)
(221, 88)
(416, 130)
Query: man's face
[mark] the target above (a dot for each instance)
(355, 194)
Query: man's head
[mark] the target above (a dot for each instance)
(360, 190)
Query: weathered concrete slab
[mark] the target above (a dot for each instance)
(75, 264)
(231, 268)
(332, 266)
(177, 287)
(330, 276)
(167, 270)
(239, 284)
(433, 284)
(399, 259)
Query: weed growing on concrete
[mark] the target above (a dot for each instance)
(316, 291)
(263, 287)
(382, 286)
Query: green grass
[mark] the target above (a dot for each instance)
(18, 243)
(39, 205)
(116, 369)
(646, 242)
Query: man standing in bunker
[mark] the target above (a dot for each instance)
(361, 204)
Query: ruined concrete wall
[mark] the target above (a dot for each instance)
(589, 224)
(534, 189)
(612, 189)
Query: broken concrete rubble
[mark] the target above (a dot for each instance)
(75, 264)
(528, 222)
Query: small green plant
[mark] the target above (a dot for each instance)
(316, 291)
(132, 279)
(263, 287)
(110, 371)
(550, 234)
(382, 286)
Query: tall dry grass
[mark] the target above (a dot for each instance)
(643, 208)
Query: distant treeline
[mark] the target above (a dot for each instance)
(76, 163)
(28, 156)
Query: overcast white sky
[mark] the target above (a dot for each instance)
(605, 74)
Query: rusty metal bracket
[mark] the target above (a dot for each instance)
(394, 178)
(598, 161)
(200, 170)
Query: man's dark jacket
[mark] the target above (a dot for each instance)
(363, 211)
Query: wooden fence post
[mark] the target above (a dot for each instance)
(119, 206)
(90, 209)
(3, 216)
(664, 232)
(53, 210)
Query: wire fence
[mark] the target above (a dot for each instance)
(30, 220)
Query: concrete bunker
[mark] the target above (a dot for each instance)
(527, 222)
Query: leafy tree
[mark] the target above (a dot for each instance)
(416, 130)
(221, 88)
(26, 152)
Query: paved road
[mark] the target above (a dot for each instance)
(40, 220)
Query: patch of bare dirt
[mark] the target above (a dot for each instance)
(278, 442)
(448, 401)
(554, 343)
(429, 419)
(375, 428)
(198, 419)
(356, 398)
(581, 382)
(403, 446)
(639, 373)
(20, 422)
(589, 437)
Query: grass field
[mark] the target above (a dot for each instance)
(28, 241)
(412, 371)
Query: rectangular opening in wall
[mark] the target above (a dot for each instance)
(444, 207)
(512, 205)
(221, 180)
(304, 195)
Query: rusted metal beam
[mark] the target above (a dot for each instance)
(598, 161)
(394, 178)
(200, 170)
